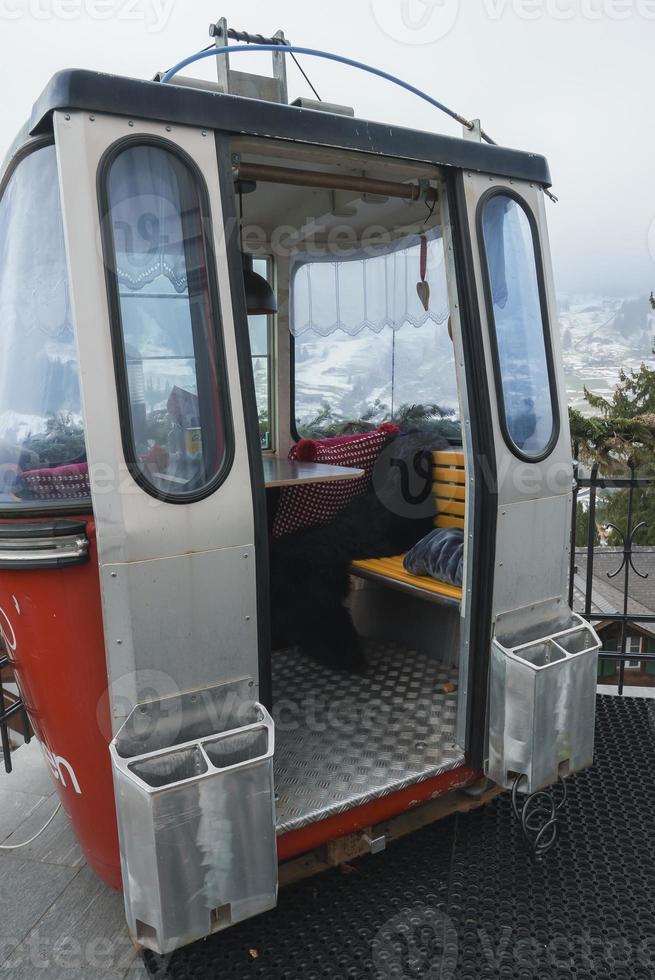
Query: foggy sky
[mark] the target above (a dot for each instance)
(571, 79)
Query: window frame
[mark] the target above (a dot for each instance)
(633, 657)
(293, 425)
(492, 329)
(42, 508)
(269, 357)
(116, 324)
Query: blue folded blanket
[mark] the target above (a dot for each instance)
(439, 554)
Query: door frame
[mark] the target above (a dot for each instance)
(180, 582)
(481, 484)
(251, 420)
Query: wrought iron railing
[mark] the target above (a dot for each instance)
(626, 555)
(11, 706)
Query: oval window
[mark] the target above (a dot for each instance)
(170, 362)
(518, 327)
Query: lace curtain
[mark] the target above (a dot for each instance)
(369, 288)
(146, 219)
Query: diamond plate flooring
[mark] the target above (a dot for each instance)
(344, 739)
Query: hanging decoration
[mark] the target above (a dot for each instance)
(422, 286)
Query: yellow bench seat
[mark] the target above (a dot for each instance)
(449, 489)
(392, 571)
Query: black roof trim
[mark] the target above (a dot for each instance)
(97, 92)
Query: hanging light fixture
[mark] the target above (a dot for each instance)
(260, 298)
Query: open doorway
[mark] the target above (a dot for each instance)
(361, 374)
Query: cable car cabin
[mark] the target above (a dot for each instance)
(285, 483)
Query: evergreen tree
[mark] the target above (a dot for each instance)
(623, 428)
(582, 527)
(621, 434)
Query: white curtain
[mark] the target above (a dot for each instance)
(146, 186)
(368, 289)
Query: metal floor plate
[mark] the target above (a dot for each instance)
(345, 739)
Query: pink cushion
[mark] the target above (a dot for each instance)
(59, 482)
(318, 503)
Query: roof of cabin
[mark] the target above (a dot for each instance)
(97, 92)
(607, 593)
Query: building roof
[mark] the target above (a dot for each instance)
(607, 593)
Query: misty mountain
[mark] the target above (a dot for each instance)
(601, 335)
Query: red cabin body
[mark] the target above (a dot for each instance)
(51, 624)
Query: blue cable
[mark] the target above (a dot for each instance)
(291, 49)
(340, 59)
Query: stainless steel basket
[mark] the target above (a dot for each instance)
(193, 776)
(542, 705)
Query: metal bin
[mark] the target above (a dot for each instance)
(542, 706)
(193, 777)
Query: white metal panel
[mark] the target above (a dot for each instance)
(196, 618)
(134, 527)
(541, 713)
(533, 526)
(532, 551)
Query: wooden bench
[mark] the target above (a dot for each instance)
(449, 488)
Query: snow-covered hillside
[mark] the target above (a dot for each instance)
(353, 374)
(601, 335)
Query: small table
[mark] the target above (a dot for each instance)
(287, 472)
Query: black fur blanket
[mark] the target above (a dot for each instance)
(309, 569)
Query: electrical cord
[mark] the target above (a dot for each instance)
(15, 847)
(538, 814)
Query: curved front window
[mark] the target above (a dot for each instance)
(169, 357)
(519, 327)
(42, 448)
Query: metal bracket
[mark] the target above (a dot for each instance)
(375, 844)
(219, 32)
(475, 132)
(244, 83)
